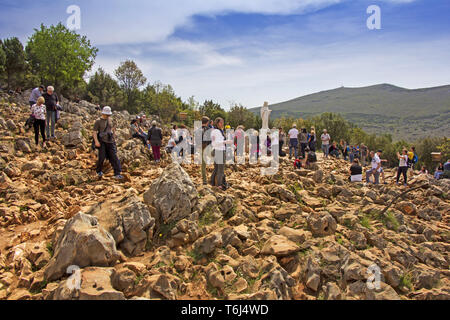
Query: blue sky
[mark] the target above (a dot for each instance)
(251, 51)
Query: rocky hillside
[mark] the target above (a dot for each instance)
(161, 234)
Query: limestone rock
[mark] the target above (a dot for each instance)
(82, 243)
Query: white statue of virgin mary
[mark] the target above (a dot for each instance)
(265, 114)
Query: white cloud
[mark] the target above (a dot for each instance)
(153, 21)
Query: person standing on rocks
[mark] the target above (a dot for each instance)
(219, 145)
(51, 103)
(403, 167)
(376, 167)
(364, 154)
(293, 141)
(35, 94)
(303, 139)
(104, 140)
(206, 141)
(325, 143)
(155, 138)
(38, 110)
(312, 140)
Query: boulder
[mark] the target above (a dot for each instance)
(73, 138)
(128, 220)
(321, 224)
(11, 125)
(82, 243)
(23, 146)
(279, 246)
(173, 195)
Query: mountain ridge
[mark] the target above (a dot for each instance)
(378, 108)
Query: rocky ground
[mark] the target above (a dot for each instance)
(161, 234)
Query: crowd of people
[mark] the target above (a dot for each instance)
(45, 108)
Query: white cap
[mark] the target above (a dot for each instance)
(107, 111)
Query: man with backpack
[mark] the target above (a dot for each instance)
(412, 158)
(105, 143)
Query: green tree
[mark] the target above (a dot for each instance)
(2, 59)
(161, 100)
(15, 64)
(104, 90)
(59, 56)
(212, 110)
(130, 79)
(239, 115)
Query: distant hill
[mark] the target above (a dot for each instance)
(384, 108)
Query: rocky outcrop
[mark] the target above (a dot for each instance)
(82, 243)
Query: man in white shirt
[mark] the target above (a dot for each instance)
(325, 143)
(376, 167)
(219, 143)
(293, 141)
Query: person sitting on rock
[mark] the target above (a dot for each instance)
(334, 151)
(104, 140)
(355, 172)
(311, 157)
(439, 171)
(135, 133)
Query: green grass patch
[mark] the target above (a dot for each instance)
(365, 222)
(50, 248)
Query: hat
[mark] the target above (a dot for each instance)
(294, 125)
(380, 151)
(107, 111)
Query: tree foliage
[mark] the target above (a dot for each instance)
(130, 79)
(15, 64)
(59, 56)
(104, 90)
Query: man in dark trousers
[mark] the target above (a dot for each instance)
(51, 102)
(104, 140)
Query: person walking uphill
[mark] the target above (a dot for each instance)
(219, 143)
(38, 111)
(51, 102)
(104, 140)
(35, 94)
(155, 138)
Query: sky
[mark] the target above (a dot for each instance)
(251, 51)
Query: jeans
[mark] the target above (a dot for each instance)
(108, 150)
(326, 149)
(50, 117)
(376, 176)
(312, 146)
(402, 171)
(351, 157)
(293, 145)
(141, 137)
(39, 125)
(218, 175)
